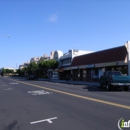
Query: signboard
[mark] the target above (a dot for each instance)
(110, 64)
(74, 67)
(90, 66)
(106, 64)
(61, 69)
(68, 68)
(82, 67)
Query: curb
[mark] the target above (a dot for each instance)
(67, 82)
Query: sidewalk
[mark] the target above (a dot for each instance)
(96, 84)
(71, 82)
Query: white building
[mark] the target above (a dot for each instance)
(52, 55)
(57, 55)
(24, 65)
(66, 58)
(35, 59)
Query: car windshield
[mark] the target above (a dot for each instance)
(116, 73)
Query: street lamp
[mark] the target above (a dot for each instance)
(8, 36)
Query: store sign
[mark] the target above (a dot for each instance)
(61, 69)
(74, 67)
(99, 65)
(82, 67)
(106, 64)
(90, 66)
(110, 64)
(68, 68)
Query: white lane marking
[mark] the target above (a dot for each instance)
(13, 83)
(48, 120)
(8, 89)
(39, 92)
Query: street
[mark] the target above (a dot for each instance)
(42, 105)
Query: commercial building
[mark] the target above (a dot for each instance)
(65, 60)
(89, 67)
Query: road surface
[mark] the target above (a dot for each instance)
(42, 105)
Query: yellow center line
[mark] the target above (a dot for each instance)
(78, 96)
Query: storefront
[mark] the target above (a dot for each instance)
(63, 72)
(90, 67)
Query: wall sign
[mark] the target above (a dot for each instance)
(90, 66)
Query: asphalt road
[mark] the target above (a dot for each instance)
(42, 105)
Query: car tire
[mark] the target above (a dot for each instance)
(108, 87)
(126, 88)
(100, 85)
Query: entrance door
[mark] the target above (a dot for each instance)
(88, 74)
(81, 75)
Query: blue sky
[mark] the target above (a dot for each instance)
(37, 27)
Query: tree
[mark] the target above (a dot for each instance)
(32, 66)
(42, 65)
(4, 71)
(7, 71)
(45, 65)
(48, 64)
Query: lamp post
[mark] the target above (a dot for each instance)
(8, 36)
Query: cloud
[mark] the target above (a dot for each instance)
(53, 18)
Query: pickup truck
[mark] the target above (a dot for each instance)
(114, 79)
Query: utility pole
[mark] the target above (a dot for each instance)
(8, 36)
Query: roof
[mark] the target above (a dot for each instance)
(109, 55)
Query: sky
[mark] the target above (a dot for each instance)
(32, 28)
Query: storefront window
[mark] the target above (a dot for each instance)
(123, 69)
(84, 73)
(101, 72)
(78, 73)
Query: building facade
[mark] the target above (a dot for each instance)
(35, 59)
(24, 65)
(66, 60)
(90, 67)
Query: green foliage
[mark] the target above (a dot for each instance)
(7, 71)
(4, 71)
(45, 77)
(20, 72)
(32, 66)
(42, 65)
(48, 64)
(39, 69)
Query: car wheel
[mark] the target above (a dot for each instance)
(108, 87)
(100, 85)
(126, 88)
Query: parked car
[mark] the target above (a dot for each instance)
(114, 79)
(31, 76)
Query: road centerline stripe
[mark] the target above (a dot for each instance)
(78, 96)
